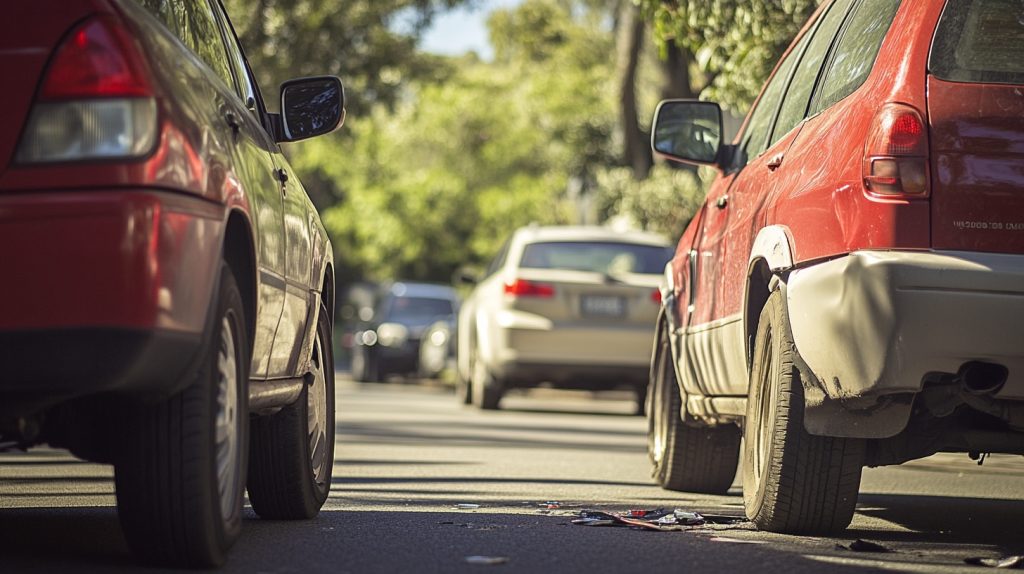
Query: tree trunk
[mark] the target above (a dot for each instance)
(676, 68)
(637, 150)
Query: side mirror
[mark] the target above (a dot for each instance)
(311, 107)
(688, 131)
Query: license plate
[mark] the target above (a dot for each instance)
(603, 306)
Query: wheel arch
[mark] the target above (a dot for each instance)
(240, 254)
(771, 256)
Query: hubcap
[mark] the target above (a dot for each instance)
(316, 397)
(227, 420)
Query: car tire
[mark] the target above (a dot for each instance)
(365, 368)
(686, 456)
(291, 453)
(486, 389)
(793, 482)
(463, 390)
(180, 478)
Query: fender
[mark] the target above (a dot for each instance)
(770, 257)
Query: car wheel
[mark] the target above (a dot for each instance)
(292, 451)
(181, 477)
(685, 456)
(793, 481)
(463, 390)
(365, 368)
(486, 391)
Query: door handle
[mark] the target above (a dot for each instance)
(232, 120)
(775, 161)
(282, 176)
(722, 201)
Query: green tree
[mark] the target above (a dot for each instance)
(735, 42)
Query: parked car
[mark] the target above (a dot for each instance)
(568, 306)
(168, 286)
(851, 292)
(389, 343)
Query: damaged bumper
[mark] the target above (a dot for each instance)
(870, 326)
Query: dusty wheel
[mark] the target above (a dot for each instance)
(486, 390)
(684, 456)
(181, 477)
(292, 452)
(793, 481)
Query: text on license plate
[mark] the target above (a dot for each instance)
(603, 306)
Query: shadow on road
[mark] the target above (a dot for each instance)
(946, 519)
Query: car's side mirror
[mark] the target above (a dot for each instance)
(310, 107)
(688, 131)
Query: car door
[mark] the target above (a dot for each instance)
(714, 340)
(299, 291)
(257, 172)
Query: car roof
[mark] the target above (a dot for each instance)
(533, 234)
(426, 290)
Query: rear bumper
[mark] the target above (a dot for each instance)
(100, 288)
(873, 324)
(531, 349)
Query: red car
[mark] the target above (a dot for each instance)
(852, 291)
(167, 285)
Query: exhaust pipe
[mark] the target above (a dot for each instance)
(981, 378)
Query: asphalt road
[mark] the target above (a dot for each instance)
(407, 456)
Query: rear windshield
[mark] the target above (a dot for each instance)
(418, 308)
(609, 257)
(980, 41)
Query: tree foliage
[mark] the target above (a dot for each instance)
(370, 44)
(736, 42)
(440, 178)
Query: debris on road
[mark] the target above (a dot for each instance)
(486, 560)
(860, 545)
(658, 519)
(1006, 562)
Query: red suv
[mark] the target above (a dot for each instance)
(852, 291)
(167, 285)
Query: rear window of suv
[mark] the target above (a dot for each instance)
(600, 257)
(980, 41)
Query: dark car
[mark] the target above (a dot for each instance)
(851, 292)
(390, 341)
(167, 286)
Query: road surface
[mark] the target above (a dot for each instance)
(407, 456)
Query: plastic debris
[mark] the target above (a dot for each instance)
(466, 506)
(659, 519)
(1006, 562)
(486, 560)
(860, 545)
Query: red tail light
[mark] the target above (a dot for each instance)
(524, 288)
(96, 100)
(98, 60)
(896, 152)
(656, 296)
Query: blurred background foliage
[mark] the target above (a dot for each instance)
(442, 157)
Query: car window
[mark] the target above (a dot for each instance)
(856, 51)
(794, 104)
(755, 136)
(247, 88)
(610, 257)
(193, 22)
(417, 308)
(980, 41)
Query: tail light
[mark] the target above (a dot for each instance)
(524, 288)
(896, 153)
(656, 296)
(95, 101)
